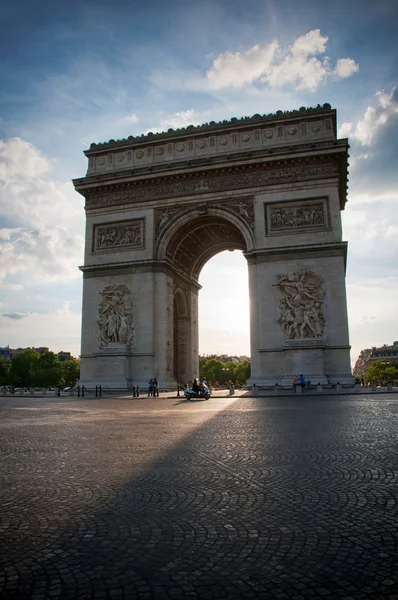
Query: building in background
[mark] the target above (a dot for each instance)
(7, 353)
(368, 356)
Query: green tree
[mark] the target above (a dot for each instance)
(216, 370)
(49, 377)
(212, 370)
(70, 370)
(5, 367)
(22, 367)
(382, 372)
(243, 371)
(46, 372)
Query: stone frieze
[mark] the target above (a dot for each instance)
(212, 143)
(233, 180)
(296, 216)
(119, 235)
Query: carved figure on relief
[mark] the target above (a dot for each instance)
(301, 216)
(117, 236)
(115, 316)
(301, 305)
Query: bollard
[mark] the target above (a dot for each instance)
(96, 391)
(78, 391)
(82, 391)
(319, 387)
(389, 387)
(231, 390)
(178, 390)
(254, 389)
(138, 391)
(100, 391)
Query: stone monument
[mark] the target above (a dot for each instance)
(159, 206)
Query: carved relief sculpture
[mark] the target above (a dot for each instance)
(119, 235)
(301, 306)
(215, 183)
(115, 316)
(292, 217)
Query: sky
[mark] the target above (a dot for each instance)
(87, 71)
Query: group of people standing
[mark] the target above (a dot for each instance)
(153, 387)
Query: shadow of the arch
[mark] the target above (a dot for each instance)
(251, 516)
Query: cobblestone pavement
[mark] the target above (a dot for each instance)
(287, 498)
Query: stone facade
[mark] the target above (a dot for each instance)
(159, 207)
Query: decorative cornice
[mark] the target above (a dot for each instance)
(295, 252)
(242, 177)
(212, 126)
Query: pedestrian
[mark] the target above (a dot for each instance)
(155, 387)
(302, 382)
(296, 382)
(150, 387)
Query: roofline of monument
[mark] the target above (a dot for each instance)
(205, 128)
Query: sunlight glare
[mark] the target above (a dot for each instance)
(224, 305)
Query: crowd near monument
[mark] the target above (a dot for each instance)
(159, 206)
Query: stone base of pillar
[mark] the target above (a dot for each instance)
(314, 378)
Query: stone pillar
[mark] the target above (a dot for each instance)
(164, 330)
(193, 363)
(256, 371)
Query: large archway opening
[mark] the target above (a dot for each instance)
(201, 238)
(189, 244)
(224, 323)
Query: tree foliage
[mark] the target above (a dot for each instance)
(382, 372)
(31, 369)
(5, 367)
(70, 371)
(216, 370)
(23, 366)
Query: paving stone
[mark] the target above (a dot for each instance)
(232, 498)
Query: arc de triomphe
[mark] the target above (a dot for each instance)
(159, 206)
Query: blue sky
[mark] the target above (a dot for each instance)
(77, 72)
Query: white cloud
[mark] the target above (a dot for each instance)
(181, 119)
(42, 233)
(42, 255)
(345, 67)
(270, 64)
(370, 225)
(131, 118)
(236, 69)
(344, 130)
(178, 119)
(20, 159)
(58, 329)
(374, 118)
